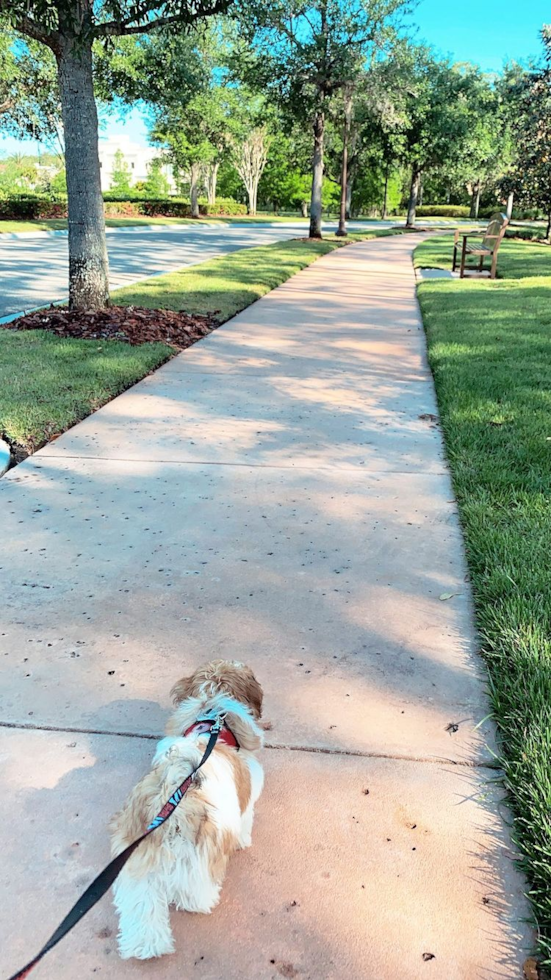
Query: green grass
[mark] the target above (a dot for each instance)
(230, 283)
(515, 260)
(60, 224)
(48, 383)
(490, 352)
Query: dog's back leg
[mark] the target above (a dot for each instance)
(144, 926)
(257, 782)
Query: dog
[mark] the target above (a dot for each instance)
(184, 862)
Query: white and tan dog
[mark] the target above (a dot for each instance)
(184, 862)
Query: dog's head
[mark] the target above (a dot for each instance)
(227, 677)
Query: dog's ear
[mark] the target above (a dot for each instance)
(239, 681)
(183, 689)
(254, 694)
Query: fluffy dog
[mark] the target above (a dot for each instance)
(184, 862)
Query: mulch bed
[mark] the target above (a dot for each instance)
(133, 324)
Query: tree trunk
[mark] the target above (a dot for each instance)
(413, 197)
(475, 201)
(509, 211)
(304, 209)
(252, 192)
(211, 183)
(349, 185)
(194, 190)
(88, 266)
(385, 197)
(421, 192)
(548, 229)
(317, 176)
(341, 230)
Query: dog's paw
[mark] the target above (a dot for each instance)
(244, 841)
(146, 949)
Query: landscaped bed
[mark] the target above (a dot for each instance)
(490, 352)
(63, 366)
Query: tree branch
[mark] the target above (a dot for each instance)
(125, 27)
(26, 25)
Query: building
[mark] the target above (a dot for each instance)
(135, 156)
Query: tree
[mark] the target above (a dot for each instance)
(192, 107)
(156, 185)
(70, 28)
(305, 54)
(285, 181)
(485, 153)
(29, 93)
(120, 175)
(249, 157)
(437, 118)
(530, 178)
(185, 132)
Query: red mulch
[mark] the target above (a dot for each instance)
(133, 324)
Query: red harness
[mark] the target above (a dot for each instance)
(226, 736)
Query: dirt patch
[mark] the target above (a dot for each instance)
(133, 324)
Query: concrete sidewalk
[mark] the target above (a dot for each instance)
(277, 494)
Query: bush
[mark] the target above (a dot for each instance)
(528, 234)
(170, 207)
(31, 207)
(442, 211)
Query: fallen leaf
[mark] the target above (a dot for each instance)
(448, 595)
(428, 956)
(531, 969)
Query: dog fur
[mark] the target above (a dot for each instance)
(184, 862)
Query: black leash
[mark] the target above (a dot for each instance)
(105, 879)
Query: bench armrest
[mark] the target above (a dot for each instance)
(459, 233)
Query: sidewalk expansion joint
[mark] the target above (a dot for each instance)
(279, 746)
(329, 465)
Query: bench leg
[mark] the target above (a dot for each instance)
(463, 257)
(494, 266)
(481, 263)
(454, 263)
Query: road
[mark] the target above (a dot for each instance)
(33, 270)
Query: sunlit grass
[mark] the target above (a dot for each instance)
(232, 282)
(490, 352)
(48, 383)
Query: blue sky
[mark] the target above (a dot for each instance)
(487, 32)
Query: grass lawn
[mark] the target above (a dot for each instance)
(48, 383)
(515, 260)
(234, 281)
(60, 224)
(490, 352)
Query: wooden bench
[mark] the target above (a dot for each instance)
(489, 246)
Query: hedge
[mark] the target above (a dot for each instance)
(33, 207)
(172, 207)
(528, 234)
(442, 211)
(30, 207)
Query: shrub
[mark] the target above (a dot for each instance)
(30, 207)
(121, 208)
(528, 234)
(169, 207)
(442, 211)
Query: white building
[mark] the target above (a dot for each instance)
(135, 156)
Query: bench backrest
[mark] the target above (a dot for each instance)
(495, 231)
